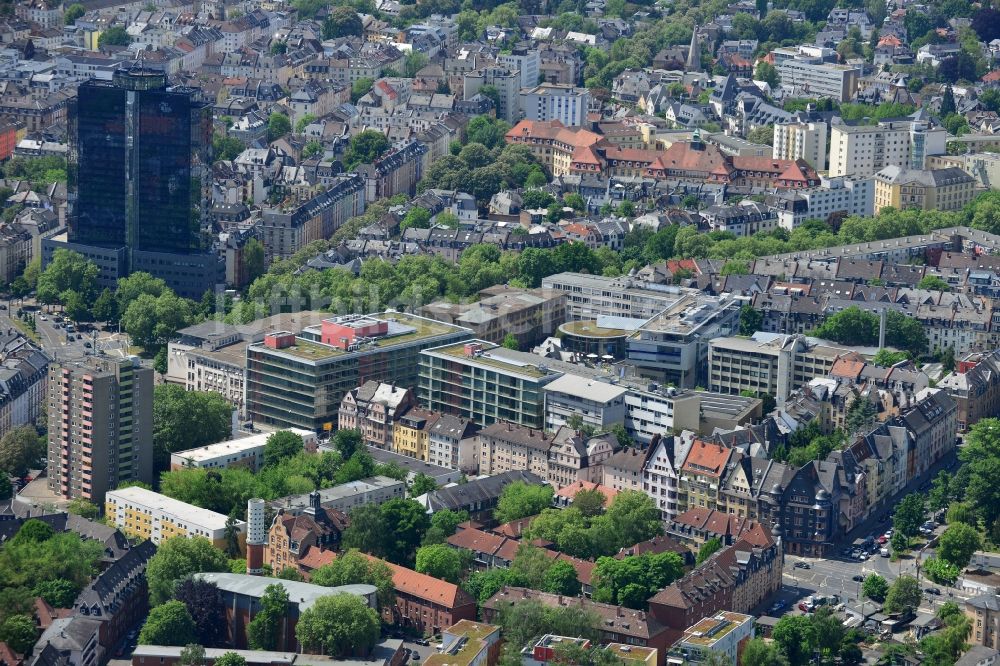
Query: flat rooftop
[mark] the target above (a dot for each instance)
(412, 329)
(344, 490)
(213, 451)
(182, 511)
(710, 630)
(469, 639)
(303, 594)
(589, 328)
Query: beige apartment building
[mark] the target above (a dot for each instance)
(950, 188)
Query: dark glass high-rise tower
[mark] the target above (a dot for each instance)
(139, 149)
(140, 178)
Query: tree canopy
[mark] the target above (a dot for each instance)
(178, 558)
(339, 625)
(169, 623)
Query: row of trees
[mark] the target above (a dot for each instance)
(227, 490)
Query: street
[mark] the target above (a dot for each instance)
(60, 344)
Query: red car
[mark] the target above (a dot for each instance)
(882, 539)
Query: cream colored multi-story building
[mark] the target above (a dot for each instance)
(139, 512)
(770, 363)
(244, 452)
(801, 140)
(934, 189)
(863, 150)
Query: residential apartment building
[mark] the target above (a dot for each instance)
(724, 633)
(553, 101)
(24, 377)
(425, 604)
(983, 612)
(769, 363)
(530, 315)
(345, 496)
(931, 423)
(210, 356)
(411, 433)
(661, 471)
(801, 140)
(284, 231)
(148, 515)
(300, 379)
(505, 447)
(624, 470)
(672, 347)
(479, 497)
(244, 452)
(849, 195)
(924, 189)
(373, 409)
(292, 536)
(735, 579)
(975, 388)
(507, 81)
(452, 443)
(701, 475)
(820, 79)
(396, 172)
(599, 404)
(100, 413)
(526, 61)
(618, 624)
(864, 150)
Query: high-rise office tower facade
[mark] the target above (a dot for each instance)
(140, 179)
(100, 426)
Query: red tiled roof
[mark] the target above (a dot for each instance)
(427, 588)
(570, 491)
(316, 558)
(476, 540)
(847, 367)
(706, 458)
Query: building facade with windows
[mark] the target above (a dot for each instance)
(148, 515)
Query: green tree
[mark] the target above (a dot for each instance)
(520, 500)
(342, 22)
(958, 543)
(960, 512)
(73, 12)
(392, 530)
(227, 147)
(767, 73)
(192, 655)
(6, 487)
(981, 457)
(561, 578)
(68, 272)
(151, 321)
(510, 342)
(750, 320)
(709, 548)
(443, 525)
(280, 446)
(174, 410)
(360, 88)
(934, 283)
(909, 514)
(795, 635)
(58, 593)
(416, 218)
(278, 125)
(19, 633)
(339, 625)
(105, 307)
(440, 561)
(364, 148)
(231, 659)
(168, 624)
(758, 652)
(20, 449)
(875, 587)
(353, 567)
(176, 559)
(264, 630)
(886, 358)
(589, 502)
(940, 571)
(254, 261)
(422, 484)
(114, 36)
(84, 508)
(904, 594)
(303, 122)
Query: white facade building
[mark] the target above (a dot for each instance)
(801, 140)
(864, 150)
(554, 101)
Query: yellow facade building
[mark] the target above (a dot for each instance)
(924, 189)
(411, 433)
(142, 513)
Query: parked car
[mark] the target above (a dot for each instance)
(802, 565)
(933, 590)
(777, 607)
(884, 552)
(422, 641)
(882, 539)
(857, 578)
